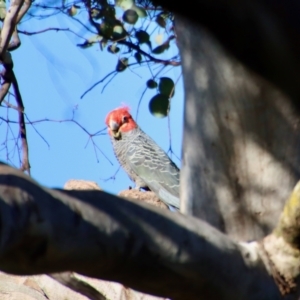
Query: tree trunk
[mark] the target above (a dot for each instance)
(241, 155)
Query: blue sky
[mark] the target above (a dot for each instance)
(53, 73)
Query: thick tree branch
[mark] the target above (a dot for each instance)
(103, 236)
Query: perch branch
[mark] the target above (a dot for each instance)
(100, 235)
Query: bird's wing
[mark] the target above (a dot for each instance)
(155, 168)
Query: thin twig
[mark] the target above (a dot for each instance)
(50, 29)
(140, 101)
(104, 78)
(90, 135)
(98, 82)
(113, 177)
(130, 45)
(25, 166)
(37, 132)
(110, 80)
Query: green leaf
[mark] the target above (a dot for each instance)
(2, 10)
(151, 84)
(113, 48)
(142, 36)
(118, 29)
(122, 64)
(125, 4)
(160, 20)
(160, 49)
(72, 11)
(96, 13)
(159, 106)
(138, 57)
(107, 29)
(119, 33)
(130, 16)
(166, 87)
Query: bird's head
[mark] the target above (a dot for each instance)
(119, 121)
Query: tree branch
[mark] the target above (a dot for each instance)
(9, 24)
(23, 10)
(15, 42)
(168, 62)
(25, 166)
(103, 236)
(71, 281)
(6, 77)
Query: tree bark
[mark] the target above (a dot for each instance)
(241, 155)
(262, 34)
(103, 236)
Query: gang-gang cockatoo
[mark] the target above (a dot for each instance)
(142, 159)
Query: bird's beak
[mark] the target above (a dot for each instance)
(114, 127)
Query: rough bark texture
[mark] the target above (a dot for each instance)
(241, 141)
(42, 287)
(146, 248)
(69, 285)
(262, 34)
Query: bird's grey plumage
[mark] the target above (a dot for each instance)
(148, 165)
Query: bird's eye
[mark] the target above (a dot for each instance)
(125, 119)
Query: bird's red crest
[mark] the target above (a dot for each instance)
(122, 117)
(116, 114)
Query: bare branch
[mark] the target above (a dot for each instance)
(25, 166)
(43, 30)
(139, 245)
(50, 29)
(6, 77)
(23, 10)
(168, 62)
(72, 120)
